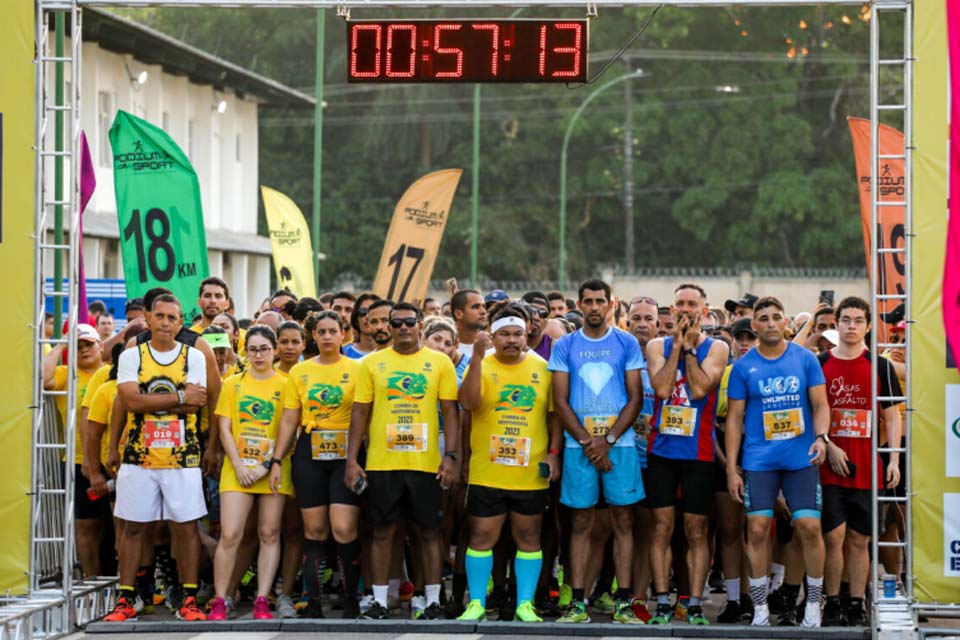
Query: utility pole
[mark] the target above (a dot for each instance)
(628, 247)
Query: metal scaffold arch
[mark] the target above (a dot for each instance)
(56, 608)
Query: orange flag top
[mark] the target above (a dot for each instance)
(890, 183)
(413, 240)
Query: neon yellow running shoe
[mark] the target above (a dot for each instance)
(475, 612)
(526, 613)
(604, 604)
(577, 612)
(624, 614)
(566, 595)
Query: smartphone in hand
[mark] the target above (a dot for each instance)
(826, 297)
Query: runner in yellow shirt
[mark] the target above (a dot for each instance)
(318, 403)
(290, 345)
(249, 411)
(397, 393)
(515, 440)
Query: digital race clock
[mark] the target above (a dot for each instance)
(467, 50)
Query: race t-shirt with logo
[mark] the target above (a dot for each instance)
(100, 410)
(597, 368)
(254, 408)
(163, 439)
(778, 419)
(683, 426)
(404, 424)
(83, 382)
(508, 432)
(851, 404)
(324, 395)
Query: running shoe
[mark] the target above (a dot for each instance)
(761, 616)
(811, 615)
(833, 614)
(432, 611)
(351, 610)
(576, 612)
(231, 607)
(173, 597)
(624, 614)
(680, 611)
(475, 612)
(261, 609)
(313, 610)
(495, 599)
(730, 614)
(695, 616)
(604, 604)
(663, 615)
(855, 614)
(365, 603)
(640, 610)
(417, 606)
(376, 611)
(123, 611)
(526, 613)
(218, 609)
(190, 611)
(565, 596)
(788, 618)
(285, 608)
(453, 609)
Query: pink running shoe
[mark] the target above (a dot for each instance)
(218, 609)
(261, 609)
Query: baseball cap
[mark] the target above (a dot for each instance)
(497, 295)
(218, 340)
(742, 325)
(900, 326)
(88, 333)
(832, 335)
(748, 300)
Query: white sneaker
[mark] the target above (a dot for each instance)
(761, 616)
(365, 603)
(231, 606)
(417, 606)
(284, 607)
(811, 615)
(138, 603)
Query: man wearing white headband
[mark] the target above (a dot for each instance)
(513, 451)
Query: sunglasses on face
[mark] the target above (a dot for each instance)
(538, 311)
(362, 312)
(643, 300)
(396, 323)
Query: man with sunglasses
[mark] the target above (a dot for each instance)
(395, 402)
(539, 338)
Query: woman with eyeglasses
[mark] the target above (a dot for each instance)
(249, 412)
(316, 416)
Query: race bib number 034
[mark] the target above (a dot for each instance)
(407, 437)
(783, 425)
(509, 451)
(328, 445)
(850, 423)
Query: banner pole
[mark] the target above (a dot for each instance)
(318, 147)
(475, 200)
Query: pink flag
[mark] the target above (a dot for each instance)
(951, 264)
(88, 182)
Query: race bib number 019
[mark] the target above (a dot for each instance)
(598, 426)
(254, 451)
(163, 434)
(850, 423)
(407, 437)
(328, 445)
(678, 420)
(509, 451)
(783, 425)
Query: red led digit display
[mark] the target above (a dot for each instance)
(467, 50)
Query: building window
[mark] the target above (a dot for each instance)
(238, 147)
(191, 138)
(111, 259)
(104, 117)
(165, 121)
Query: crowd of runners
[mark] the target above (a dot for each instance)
(541, 457)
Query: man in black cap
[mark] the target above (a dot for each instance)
(742, 308)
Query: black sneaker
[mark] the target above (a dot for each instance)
(777, 601)
(432, 612)
(351, 610)
(787, 618)
(313, 609)
(496, 599)
(746, 610)
(376, 612)
(453, 609)
(856, 615)
(833, 614)
(508, 610)
(730, 614)
(716, 582)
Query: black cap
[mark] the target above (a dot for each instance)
(895, 316)
(748, 300)
(741, 325)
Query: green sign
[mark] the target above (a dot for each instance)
(162, 238)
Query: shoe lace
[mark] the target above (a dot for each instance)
(122, 605)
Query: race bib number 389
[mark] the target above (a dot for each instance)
(407, 437)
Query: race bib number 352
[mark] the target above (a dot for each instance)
(783, 425)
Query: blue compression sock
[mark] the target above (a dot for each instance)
(479, 567)
(527, 568)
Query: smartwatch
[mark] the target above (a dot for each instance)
(610, 438)
(690, 352)
(181, 396)
(824, 437)
(272, 461)
(452, 455)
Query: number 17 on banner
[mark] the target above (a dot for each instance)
(413, 242)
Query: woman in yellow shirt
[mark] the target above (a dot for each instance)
(318, 401)
(290, 344)
(249, 412)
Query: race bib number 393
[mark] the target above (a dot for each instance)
(678, 420)
(783, 425)
(407, 437)
(163, 434)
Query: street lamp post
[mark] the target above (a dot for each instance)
(561, 265)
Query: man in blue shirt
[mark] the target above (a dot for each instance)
(778, 408)
(598, 393)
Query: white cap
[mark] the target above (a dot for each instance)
(86, 332)
(832, 335)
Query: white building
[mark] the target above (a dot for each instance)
(209, 107)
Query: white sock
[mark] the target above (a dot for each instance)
(776, 576)
(433, 593)
(394, 586)
(380, 594)
(733, 589)
(758, 591)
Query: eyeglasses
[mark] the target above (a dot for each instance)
(396, 323)
(643, 300)
(259, 351)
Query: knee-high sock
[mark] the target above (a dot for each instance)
(526, 566)
(350, 567)
(479, 567)
(313, 564)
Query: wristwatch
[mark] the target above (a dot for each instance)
(610, 438)
(272, 461)
(452, 455)
(824, 437)
(181, 396)
(690, 352)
